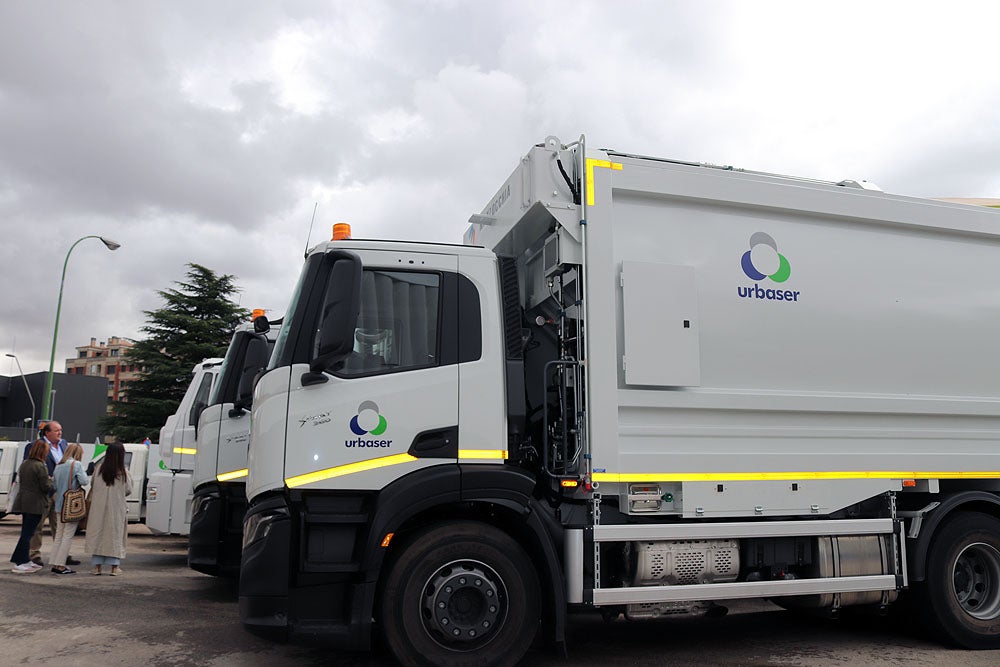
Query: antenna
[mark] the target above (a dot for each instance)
(305, 253)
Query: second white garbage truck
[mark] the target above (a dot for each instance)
(643, 387)
(219, 478)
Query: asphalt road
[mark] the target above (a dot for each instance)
(160, 612)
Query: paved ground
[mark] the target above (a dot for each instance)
(160, 612)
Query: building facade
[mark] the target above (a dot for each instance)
(106, 359)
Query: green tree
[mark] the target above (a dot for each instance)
(196, 322)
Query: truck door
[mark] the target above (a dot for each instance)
(398, 389)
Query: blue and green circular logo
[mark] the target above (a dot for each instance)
(368, 420)
(763, 260)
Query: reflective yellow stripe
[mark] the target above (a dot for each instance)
(482, 453)
(236, 474)
(185, 450)
(381, 462)
(348, 469)
(591, 164)
(780, 476)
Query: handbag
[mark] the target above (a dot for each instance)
(74, 502)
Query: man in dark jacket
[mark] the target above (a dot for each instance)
(52, 432)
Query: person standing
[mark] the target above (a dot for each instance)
(69, 474)
(31, 501)
(51, 432)
(107, 521)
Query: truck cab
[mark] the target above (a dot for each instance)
(168, 490)
(219, 477)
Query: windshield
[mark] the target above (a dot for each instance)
(226, 365)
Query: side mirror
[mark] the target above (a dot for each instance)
(257, 355)
(261, 325)
(339, 316)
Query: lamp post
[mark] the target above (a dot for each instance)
(46, 395)
(26, 389)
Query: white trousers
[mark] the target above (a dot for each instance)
(64, 537)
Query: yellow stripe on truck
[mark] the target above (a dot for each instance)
(349, 469)
(782, 476)
(482, 454)
(185, 450)
(229, 476)
(591, 165)
(383, 461)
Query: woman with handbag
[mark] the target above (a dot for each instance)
(69, 479)
(31, 503)
(107, 520)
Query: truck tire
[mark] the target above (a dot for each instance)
(460, 593)
(962, 590)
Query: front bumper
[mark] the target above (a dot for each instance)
(284, 595)
(216, 539)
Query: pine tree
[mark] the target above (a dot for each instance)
(195, 323)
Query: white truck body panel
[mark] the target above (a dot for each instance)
(10, 460)
(168, 503)
(835, 386)
(178, 446)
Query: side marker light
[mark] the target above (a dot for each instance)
(386, 540)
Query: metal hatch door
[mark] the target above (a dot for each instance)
(660, 310)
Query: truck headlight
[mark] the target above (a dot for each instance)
(201, 503)
(258, 526)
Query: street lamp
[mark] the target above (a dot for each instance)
(26, 389)
(46, 395)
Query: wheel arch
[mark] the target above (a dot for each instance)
(500, 496)
(963, 501)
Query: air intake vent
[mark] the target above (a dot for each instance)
(511, 307)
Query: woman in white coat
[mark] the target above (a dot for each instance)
(107, 521)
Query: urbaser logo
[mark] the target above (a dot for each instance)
(368, 421)
(762, 261)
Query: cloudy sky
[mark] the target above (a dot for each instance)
(194, 131)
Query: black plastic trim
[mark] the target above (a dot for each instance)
(216, 537)
(440, 443)
(264, 571)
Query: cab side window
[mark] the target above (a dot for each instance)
(398, 323)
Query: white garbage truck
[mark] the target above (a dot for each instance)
(136, 458)
(168, 489)
(220, 471)
(643, 387)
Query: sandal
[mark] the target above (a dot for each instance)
(96, 571)
(115, 570)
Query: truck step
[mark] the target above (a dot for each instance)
(754, 589)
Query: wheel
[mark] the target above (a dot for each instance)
(962, 590)
(461, 593)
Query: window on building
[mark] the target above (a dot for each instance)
(83, 354)
(114, 353)
(110, 370)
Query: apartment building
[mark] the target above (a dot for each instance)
(106, 359)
